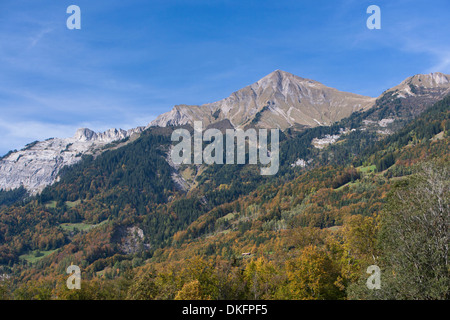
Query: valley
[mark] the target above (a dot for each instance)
(141, 227)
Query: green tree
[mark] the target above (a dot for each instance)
(143, 287)
(261, 277)
(191, 291)
(415, 238)
(4, 291)
(312, 276)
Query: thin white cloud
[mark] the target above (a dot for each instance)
(38, 37)
(404, 38)
(443, 62)
(17, 133)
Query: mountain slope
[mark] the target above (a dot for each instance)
(120, 210)
(412, 96)
(38, 164)
(279, 100)
(131, 212)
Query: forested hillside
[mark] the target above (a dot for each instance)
(308, 232)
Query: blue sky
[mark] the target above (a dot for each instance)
(133, 60)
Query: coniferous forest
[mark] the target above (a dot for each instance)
(309, 232)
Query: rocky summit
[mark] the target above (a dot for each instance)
(38, 164)
(279, 100)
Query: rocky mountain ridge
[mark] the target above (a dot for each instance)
(279, 100)
(38, 164)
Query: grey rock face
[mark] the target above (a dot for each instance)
(38, 165)
(279, 100)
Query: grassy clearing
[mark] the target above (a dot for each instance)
(80, 226)
(398, 178)
(349, 184)
(35, 256)
(228, 217)
(367, 169)
(51, 204)
(69, 204)
(334, 228)
(188, 174)
(72, 204)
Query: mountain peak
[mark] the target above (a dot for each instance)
(84, 134)
(435, 83)
(435, 79)
(278, 100)
(279, 73)
(279, 76)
